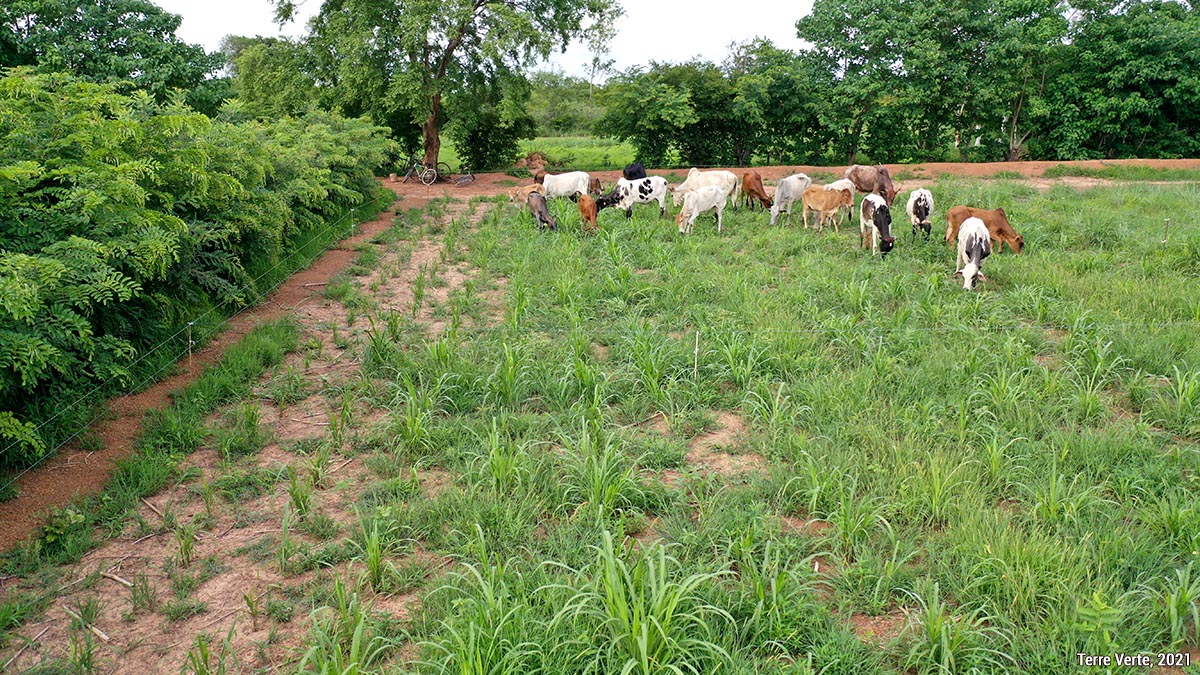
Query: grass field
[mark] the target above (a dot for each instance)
(759, 451)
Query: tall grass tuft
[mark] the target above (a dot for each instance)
(636, 616)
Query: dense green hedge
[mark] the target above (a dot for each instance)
(121, 219)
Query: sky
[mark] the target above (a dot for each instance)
(654, 30)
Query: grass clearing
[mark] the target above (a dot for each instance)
(721, 452)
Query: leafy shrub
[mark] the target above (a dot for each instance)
(123, 219)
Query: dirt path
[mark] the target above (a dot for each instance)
(74, 473)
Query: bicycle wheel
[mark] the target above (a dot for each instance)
(428, 176)
(444, 171)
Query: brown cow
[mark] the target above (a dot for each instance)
(827, 203)
(997, 225)
(872, 179)
(594, 187)
(541, 215)
(587, 211)
(752, 189)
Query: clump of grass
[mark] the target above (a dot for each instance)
(639, 617)
(944, 642)
(601, 482)
(244, 436)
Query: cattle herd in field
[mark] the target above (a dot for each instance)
(977, 231)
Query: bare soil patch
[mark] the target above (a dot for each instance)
(879, 630)
(706, 450)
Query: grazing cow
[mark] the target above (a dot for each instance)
(697, 179)
(789, 190)
(595, 187)
(827, 203)
(640, 191)
(634, 171)
(844, 184)
(920, 208)
(752, 189)
(541, 215)
(974, 244)
(997, 225)
(872, 179)
(875, 222)
(571, 184)
(698, 201)
(521, 193)
(587, 211)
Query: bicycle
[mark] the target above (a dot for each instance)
(465, 179)
(415, 167)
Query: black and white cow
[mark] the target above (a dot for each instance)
(634, 171)
(541, 214)
(640, 191)
(920, 208)
(974, 244)
(875, 225)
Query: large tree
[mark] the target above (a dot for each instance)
(397, 56)
(105, 41)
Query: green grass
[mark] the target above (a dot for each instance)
(1124, 172)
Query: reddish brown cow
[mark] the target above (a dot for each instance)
(997, 225)
(826, 203)
(752, 189)
(587, 211)
(594, 187)
(873, 179)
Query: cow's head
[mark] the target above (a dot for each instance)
(889, 195)
(539, 176)
(882, 219)
(1017, 244)
(926, 227)
(595, 187)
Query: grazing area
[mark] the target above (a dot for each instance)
(496, 448)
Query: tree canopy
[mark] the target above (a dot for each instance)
(401, 61)
(109, 41)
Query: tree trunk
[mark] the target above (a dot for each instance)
(429, 129)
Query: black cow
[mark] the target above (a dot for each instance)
(634, 171)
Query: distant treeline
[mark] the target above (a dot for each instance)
(903, 81)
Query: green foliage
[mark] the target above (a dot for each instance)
(122, 219)
(106, 41)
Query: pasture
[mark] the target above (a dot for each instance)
(504, 450)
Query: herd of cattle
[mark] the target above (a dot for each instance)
(977, 231)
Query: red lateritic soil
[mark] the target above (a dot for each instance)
(73, 473)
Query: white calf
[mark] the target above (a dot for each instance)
(974, 244)
(698, 201)
(697, 179)
(790, 190)
(566, 184)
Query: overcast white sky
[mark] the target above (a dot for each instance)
(658, 30)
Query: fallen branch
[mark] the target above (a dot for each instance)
(117, 579)
(22, 649)
(153, 508)
(316, 283)
(315, 424)
(342, 465)
(99, 633)
(638, 424)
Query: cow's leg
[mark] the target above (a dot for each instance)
(628, 213)
(720, 209)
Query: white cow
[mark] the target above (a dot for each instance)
(697, 179)
(638, 191)
(566, 184)
(698, 201)
(920, 211)
(974, 244)
(790, 190)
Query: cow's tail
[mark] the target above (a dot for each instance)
(737, 192)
